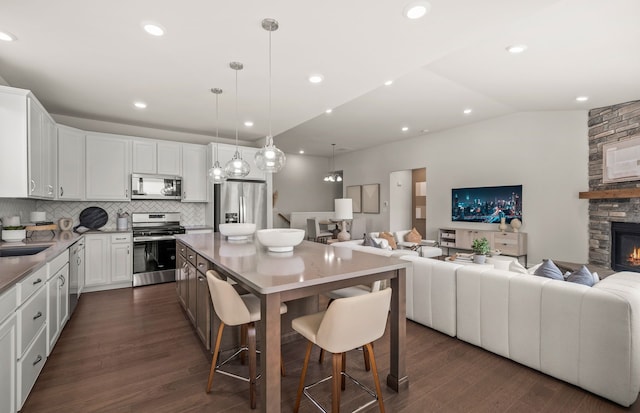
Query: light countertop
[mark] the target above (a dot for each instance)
(13, 269)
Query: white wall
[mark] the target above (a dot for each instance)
(546, 152)
(301, 188)
(399, 200)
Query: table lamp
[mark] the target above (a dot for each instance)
(343, 212)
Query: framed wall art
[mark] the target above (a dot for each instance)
(371, 199)
(355, 193)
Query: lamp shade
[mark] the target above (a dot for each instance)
(343, 208)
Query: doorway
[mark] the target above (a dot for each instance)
(408, 200)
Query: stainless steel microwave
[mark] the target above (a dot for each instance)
(144, 186)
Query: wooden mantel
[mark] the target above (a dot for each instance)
(611, 194)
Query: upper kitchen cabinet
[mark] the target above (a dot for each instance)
(28, 145)
(226, 152)
(157, 157)
(108, 166)
(71, 165)
(194, 173)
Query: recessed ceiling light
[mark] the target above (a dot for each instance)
(405, 128)
(328, 111)
(7, 37)
(153, 29)
(416, 9)
(582, 98)
(467, 111)
(388, 83)
(316, 78)
(301, 151)
(140, 105)
(516, 48)
(248, 124)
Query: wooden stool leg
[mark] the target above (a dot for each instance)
(344, 368)
(214, 358)
(376, 380)
(302, 376)
(365, 354)
(253, 366)
(335, 391)
(243, 342)
(282, 371)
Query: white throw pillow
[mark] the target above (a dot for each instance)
(532, 270)
(596, 277)
(499, 264)
(384, 244)
(515, 266)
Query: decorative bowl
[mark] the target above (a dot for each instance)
(13, 235)
(237, 231)
(280, 239)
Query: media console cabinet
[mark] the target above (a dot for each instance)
(513, 244)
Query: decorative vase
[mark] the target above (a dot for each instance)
(516, 224)
(503, 224)
(479, 258)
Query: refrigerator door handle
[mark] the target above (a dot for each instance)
(242, 210)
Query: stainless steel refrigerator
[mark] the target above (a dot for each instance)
(240, 201)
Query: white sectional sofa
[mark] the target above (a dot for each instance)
(587, 336)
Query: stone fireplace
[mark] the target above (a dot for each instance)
(610, 124)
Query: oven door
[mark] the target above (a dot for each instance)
(154, 260)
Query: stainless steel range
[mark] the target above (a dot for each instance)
(154, 247)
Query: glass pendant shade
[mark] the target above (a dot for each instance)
(237, 167)
(269, 158)
(216, 173)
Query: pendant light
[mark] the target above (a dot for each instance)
(333, 176)
(216, 173)
(270, 158)
(236, 167)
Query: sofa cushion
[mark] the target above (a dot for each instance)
(413, 236)
(389, 237)
(582, 276)
(550, 270)
(369, 242)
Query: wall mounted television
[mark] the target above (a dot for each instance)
(486, 204)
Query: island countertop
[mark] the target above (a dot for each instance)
(309, 264)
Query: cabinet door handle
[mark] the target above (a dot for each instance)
(33, 185)
(184, 195)
(200, 278)
(128, 251)
(38, 281)
(38, 315)
(126, 193)
(63, 281)
(200, 264)
(50, 192)
(61, 191)
(38, 360)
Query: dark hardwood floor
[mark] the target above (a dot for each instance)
(133, 350)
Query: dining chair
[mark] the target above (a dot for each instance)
(346, 324)
(234, 309)
(314, 233)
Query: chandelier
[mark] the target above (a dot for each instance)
(333, 176)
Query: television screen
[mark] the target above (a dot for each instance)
(486, 204)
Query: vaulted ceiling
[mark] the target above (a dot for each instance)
(91, 59)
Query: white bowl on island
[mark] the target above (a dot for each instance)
(280, 239)
(237, 231)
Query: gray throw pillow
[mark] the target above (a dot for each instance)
(550, 270)
(582, 276)
(369, 242)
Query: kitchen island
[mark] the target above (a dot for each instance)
(309, 270)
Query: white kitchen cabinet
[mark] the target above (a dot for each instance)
(71, 166)
(57, 298)
(108, 262)
(121, 261)
(157, 157)
(8, 353)
(108, 166)
(27, 143)
(169, 158)
(194, 173)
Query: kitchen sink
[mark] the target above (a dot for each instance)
(20, 251)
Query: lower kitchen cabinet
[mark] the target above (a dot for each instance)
(57, 298)
(108, 261)
(8, 356)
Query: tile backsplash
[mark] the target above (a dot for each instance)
(191, 213)
(20, 207)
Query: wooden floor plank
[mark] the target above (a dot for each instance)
(133, 350)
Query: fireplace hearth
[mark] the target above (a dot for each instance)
(625, 246)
